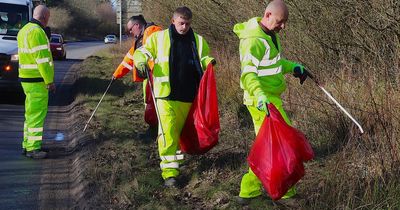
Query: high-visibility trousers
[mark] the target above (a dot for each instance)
(36, 104)
(251, 186)
(172, 116)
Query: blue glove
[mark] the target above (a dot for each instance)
(142, 70)
(262, 103)
(301, 73)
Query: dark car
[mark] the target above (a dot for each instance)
(57, 46)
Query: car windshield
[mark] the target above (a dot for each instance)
(55, 39)
(12, 18)
(111, 37)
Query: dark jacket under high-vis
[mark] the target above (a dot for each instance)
(157, 48)
(35, 59)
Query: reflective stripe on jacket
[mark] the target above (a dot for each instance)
(262, 65)
(35, 59)
(127, 64)
(157, 48)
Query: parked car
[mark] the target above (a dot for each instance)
(110, 39)
(57, 46)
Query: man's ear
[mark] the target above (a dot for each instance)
(172, 20)
(267, 14)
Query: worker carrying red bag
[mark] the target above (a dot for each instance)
(180, 56)
(262, 77)
(201, 129)
(140, 30)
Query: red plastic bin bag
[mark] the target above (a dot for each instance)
(278, 153)
(201, 129)
(150, 115)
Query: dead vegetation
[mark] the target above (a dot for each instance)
(77, 19)
(352, 46)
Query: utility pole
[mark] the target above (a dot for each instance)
(119, 20)
(120, 24)
(125, 9)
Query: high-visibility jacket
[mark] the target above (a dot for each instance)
(127, 64)
(35, 59)
(157, 48)
(262, 66)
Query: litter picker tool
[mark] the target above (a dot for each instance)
(336, 102)
(94, 111)
(155, 105)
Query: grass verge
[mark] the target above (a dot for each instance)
(351, 171)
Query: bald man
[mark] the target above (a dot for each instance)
(36, 73)
(262, 76)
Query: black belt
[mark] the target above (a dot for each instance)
(30, 79)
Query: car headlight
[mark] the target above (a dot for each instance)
(14, 57)
(59, 48)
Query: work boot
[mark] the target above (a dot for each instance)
(150, 134)
(170, 182)
(289, 203)
(289, 199)
(243, 201)
(36, 154)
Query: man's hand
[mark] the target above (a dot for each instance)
(262, 103)
(141, 69)
(301, 73)
(51, 87)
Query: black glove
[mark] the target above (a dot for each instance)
(301, 73)
(213, 62)
(142, 70)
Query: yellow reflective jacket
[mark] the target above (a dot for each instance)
(35, 59)
(262, 66)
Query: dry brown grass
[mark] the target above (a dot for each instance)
(352, 46)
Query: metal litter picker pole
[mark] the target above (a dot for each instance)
(337, 103)
(108, 87)
(155, 105)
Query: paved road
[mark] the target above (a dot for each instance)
(76, 51)
(21, 179)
